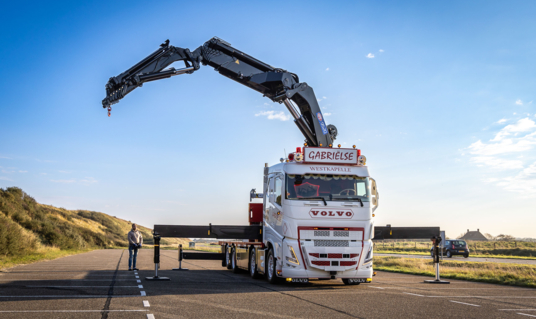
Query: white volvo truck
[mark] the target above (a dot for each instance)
(317, 217)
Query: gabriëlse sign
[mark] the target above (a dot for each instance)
(330, 155)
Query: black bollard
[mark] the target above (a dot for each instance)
(156, 238)
(180, 260)
(437, 280)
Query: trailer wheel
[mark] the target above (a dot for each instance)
(253, 272)
(234, 266)
(349, 281)
(270, 267)
(227, 257)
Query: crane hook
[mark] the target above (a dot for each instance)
(109, 110)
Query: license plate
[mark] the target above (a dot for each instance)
(462, 251)
(358, 280)
(300, 280)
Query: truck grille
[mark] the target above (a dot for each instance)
(324, 233)
(341, 234)
(321, 262)
(331, 243)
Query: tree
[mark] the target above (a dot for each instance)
(502, 237)
(489, 236)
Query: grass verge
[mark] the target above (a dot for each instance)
(470, 255)
(41, 255)
(497, 273)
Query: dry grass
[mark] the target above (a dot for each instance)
(498, 273)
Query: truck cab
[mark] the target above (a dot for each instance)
(317, 217)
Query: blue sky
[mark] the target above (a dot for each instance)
(439, 97)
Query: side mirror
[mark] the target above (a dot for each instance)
(375, 195)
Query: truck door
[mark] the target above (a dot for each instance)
(275, 211)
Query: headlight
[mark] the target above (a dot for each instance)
(293, 258)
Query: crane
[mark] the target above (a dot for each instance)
(274, 83)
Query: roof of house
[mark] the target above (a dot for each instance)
(474, 235)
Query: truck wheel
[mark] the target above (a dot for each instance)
(432, 253)
(270, 267)
(253, 264)
(228, 257)
(449, 254)
(234, 266)
(349, 281)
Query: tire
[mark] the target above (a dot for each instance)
(253, 272)
(348, 281)
(432, 253)
(228, 257)
(466, 256)
(271, 275)
(234, 266)
(449, 254)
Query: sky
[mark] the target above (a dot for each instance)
(439, 96)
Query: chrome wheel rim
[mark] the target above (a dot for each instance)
(227, 254)
(233, 259)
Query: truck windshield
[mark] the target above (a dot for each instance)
(329, 187)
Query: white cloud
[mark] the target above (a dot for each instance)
(519, 102)
(5, 157)
(370, 56)
(23, 171)
(509, 150)
(272, 115)
(501, 121)
(497, 163)
(266, 104)
(327, 114)
(64, 181)
(327, 69)
(523, 125)
(381, 50)
(42, 173)
(3, 178)
(88, 181)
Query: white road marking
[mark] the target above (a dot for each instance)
(146, 303)
(463, 303)
(376, 287)
(143, 293)
(409, 293)
(138, 281)
(137, 277)
(517, 309)
(526, 314)
(140, 286)
(150, 316)
(6, 311)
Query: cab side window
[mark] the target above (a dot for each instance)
(277, 191)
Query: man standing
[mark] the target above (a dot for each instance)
(134, 243)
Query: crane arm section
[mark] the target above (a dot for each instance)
(277, 84)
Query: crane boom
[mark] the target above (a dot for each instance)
(277, 84)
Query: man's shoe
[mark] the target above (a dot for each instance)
(136, 269)
(129, 269)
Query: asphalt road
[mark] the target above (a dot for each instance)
(97, 285)
(475, 259)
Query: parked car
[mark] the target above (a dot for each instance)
(452, 247)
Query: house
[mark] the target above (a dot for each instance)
(474, 235)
